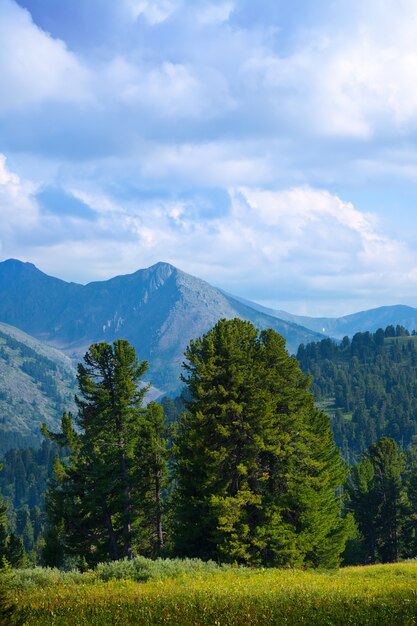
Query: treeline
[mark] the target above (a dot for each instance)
(23, 482)
(249, 474)
(382, 495)
(242, 469)
(368, 385)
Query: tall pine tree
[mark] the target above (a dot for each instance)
(256, 467)
(151, 480)
(92, 501)
(377, 498)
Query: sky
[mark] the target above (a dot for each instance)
(268, 147)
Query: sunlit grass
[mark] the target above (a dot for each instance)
(384, 594)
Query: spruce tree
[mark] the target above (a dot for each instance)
(256, 468)
(151, 480)
(362, 503)
(92, 501)
(8, 608)
(377, 498)
(389, 492)
(410, 530)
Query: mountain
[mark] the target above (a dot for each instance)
(37, 383)
(349, 325)
(371, 320)
(158, 309)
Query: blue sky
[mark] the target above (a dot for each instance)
(269, 147)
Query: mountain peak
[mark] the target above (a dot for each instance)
(16, 264)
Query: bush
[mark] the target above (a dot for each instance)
(141, 569)
(40, 577)
(138, 569)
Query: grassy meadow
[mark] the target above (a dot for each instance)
(197, 594)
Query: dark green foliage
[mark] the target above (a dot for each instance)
(256, 467)
(151, 480)
(102, 495)
(7, 607)
(368, 385)
(410, 479)
(11, 547)
(173, 408)
(22, 484)
(377, 498)
(15, 552)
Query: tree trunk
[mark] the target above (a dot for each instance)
(110, 530)
(158, 499)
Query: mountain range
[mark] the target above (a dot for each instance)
(158, 309)
(47, 324)
(347, 325)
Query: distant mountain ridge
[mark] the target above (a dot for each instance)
(37, 383)
(158, 309)
(349, 325)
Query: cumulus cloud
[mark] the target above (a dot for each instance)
(18, 209)
(272, 244)
(155, 11)
(142, 121)
(34, 67)
(170, 90)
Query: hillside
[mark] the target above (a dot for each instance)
(158, 309)
(368, 385)
(37, 383)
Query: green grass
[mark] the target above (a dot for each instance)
(373, 595)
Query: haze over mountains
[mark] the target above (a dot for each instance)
(348, 325)
(158, 309)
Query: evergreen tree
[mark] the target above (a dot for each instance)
(256, 467)
(92, 496)
(377, 499)
(8, 609)
(151, 480)
(3, 530)
(411, 487)
(368, 386)
(362, 503)
(15, 553)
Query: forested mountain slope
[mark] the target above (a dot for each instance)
(158, 310)
(37, 383)
(368, 384)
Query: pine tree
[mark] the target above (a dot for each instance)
(377, 498)
(15, 553)
(388, 464)
(256, 467)
(361, 501)
(410, 530)
(7, 607)
(151, 480)
(93, 493)
(3, 530)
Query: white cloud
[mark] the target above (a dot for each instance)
(215, 13)
(155, 11)
(215, 163)
(18, 210)
(167, 90)
(34, 67)
(270, 243)
(190, 97)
